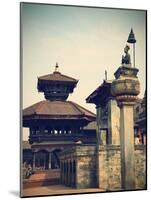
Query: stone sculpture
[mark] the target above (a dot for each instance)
(126, 59)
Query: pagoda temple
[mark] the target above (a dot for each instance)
(55, 123)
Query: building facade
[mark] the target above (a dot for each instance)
(55, 123)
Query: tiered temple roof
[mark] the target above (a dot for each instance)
(57, 110)
(55, 117)
(101, 94)
(57, 76)
(56, 86)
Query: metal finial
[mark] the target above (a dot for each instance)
(56, 67)
(105, 75)
(132, 40)
(131, 37)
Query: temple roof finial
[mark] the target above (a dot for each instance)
(131, 37)
(56, 67)
(132, 40)
(105, 75)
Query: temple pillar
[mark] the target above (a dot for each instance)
(62, 172)
(127, 146)
(49, 164)
(66, 172)
(98, 136)
(113, 122)
(34, 159)
(101, 141)
(69, 175)
(72, 173)
(125, 88)
(70, 179)
(64, 177)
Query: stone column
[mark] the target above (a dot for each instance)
(66, 173)
(49, 160)
(127, 146)
(61, 171)
(125, 88)
(69, 174)
(99, 142)
(33, 160)
(72, 173)
(113, 122)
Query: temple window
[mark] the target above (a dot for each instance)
(37, 130)
(46, 130)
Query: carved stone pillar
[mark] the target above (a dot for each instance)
(125, 88)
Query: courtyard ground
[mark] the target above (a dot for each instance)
(56, 190)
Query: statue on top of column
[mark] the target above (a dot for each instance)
(126, 59)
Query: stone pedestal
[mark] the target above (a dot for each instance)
(125, 88)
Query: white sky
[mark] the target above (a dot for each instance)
(84, 41)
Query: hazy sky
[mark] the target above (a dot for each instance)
(84, 41)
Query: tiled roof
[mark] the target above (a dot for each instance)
(100, 93)
(57, 109)
(57, 76)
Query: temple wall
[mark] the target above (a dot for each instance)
(86, 172)
(110, 167)
(108, 117)
(108, 163)
(140, 166)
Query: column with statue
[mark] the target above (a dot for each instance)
(125, 88)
